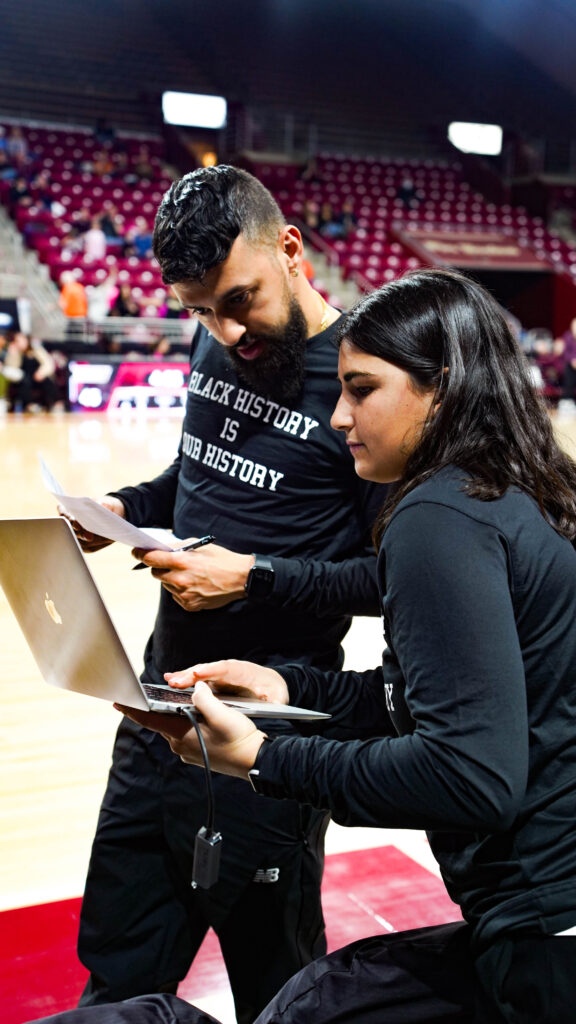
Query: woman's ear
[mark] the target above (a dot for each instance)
(440, 391)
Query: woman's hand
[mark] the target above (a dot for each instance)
(232, 740)
(234, 678)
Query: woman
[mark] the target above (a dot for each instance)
(30, 370)
(469, 729)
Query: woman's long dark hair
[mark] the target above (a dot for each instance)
(451, 337)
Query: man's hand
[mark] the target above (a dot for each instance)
(231, 739)
(209, 577)
(91, 541)
(235, 679)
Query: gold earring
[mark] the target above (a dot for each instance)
(294, 272)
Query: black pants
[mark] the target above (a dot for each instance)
(142, 923)
(424, 976)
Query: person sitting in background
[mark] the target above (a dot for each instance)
(138, 240)
(162, 349)
(348, 218)
(94, 240)
(72, 301)
(40, 186)
(328, 223)
(407, 193)
(81, 222)
(17, 147)
(7, 169)
(112, 225)
(19, 194)
(101, 296)
(30, 370)
(104, 132)
(125, 304)
(310, 215)
(102, 163)
(143, 164)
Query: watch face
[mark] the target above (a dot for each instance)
(260, 581)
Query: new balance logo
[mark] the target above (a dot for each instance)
(267, 875)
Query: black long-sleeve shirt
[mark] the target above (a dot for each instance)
(469, 728)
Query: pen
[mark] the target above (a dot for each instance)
(208, 539)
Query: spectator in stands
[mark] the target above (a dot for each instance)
(112, 225)
(348, 218)
(101, 297)
(19, 194)
(17, 147)
(125, 304)
(310, 215)
(121, 164)
(40, 186)
(138, 240)
(328, 222)
(407, 193)
(7, 168)
(30, 370)
(102, 163)
(143, 164)
(163, 349)
(94, 240)
(81, 222)
(72, 301)
(567, 346)
(104, 132)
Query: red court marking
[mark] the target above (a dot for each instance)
(364, 893)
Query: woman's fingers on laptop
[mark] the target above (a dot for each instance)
(234, 677)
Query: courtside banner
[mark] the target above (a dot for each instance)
(466, 248)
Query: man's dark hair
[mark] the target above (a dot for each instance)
(201, 215)
(451, 337)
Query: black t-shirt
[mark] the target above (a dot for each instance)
(274, 479)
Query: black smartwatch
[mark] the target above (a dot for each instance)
(254, 773)
(260, 580)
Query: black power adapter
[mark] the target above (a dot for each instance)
(208, 843)
(207, 849)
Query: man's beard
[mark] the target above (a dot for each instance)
(280, 371)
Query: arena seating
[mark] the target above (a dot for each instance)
(370, 252)
(67, 156)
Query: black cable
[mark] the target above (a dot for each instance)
(208, 776)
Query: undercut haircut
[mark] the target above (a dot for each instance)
(202, 215)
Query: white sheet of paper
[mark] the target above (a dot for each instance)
(94, 517)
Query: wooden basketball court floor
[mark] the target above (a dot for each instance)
(55, 746)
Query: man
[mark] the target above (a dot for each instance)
(260, 468)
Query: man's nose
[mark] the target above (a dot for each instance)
(229, 332)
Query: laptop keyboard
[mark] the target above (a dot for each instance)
(166, 694)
